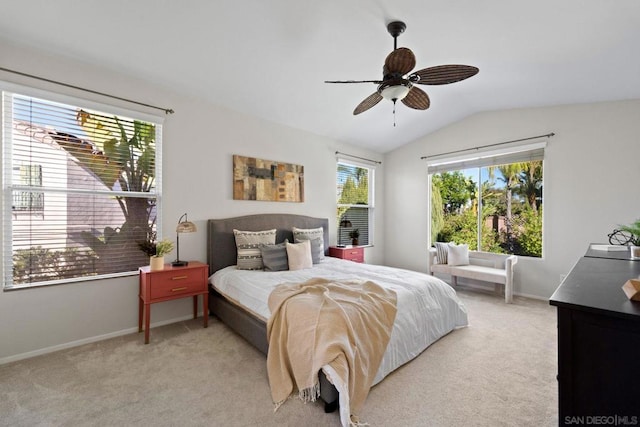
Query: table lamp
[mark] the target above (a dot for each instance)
(345, 223)
(184, 226)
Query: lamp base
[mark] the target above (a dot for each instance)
(178, 263)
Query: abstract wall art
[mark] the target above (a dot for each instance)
(267, 180)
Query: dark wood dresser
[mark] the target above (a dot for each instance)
(598, 342)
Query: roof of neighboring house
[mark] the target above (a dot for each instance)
(78, 176)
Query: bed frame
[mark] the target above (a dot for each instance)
(221, 253)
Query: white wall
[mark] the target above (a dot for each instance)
(199, 141)
(591, 183)
(591, 176)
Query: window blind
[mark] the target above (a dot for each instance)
(81, 190)
(358, 217)
(515, 153)
(355, 202)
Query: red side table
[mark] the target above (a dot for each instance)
(169, 284)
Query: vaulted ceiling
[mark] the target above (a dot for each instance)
(270, 58)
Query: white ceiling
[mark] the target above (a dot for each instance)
(269, 58)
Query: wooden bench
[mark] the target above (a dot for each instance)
(483, 266)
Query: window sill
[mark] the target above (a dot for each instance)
(67, 281)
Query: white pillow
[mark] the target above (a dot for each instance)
(458, 254)
(299, 255)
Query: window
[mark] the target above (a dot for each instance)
(492, 202)
(355, 203)
(31, 202)
(81, 188)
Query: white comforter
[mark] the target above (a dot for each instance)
(428, 308)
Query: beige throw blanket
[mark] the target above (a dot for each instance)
(346, 325)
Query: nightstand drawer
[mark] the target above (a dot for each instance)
(355, 253)
(356, 256)
(173, 282)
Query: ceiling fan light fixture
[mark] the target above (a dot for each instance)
(395, 93)
(398, 81)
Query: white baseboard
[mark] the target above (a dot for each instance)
(88, 340)
(489, 288)
(531, 296)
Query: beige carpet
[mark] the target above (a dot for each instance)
(500, 371)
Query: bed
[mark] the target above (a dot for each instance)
(421, 319)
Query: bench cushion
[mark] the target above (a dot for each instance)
(478, 272)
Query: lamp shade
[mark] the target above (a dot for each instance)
(186, 227)
(346, 223)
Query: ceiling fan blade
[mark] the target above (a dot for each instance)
(368, 102)
(400, 61)
(354, 81)
(443, 74)
(416, 99)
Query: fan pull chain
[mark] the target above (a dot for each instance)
(394, 113)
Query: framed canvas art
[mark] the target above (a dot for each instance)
(267, 180)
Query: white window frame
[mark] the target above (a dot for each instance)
(371, 191)
(7, 88)
(483, 157)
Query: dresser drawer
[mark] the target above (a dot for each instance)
(169, 283)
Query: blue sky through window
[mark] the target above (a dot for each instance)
(484, 176)
(46, 114)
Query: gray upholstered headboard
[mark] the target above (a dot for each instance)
(221, 243)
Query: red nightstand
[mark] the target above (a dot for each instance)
(351, 253)
(169, 284)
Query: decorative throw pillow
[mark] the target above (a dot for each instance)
(458, 254)
(248, 247)
(299, 255)
(317, 250)
(442, 249)
(274, 257)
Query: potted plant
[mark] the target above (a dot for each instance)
(634, 240)
(354, 234)
(156, 250)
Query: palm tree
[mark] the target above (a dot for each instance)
(531, 183)
(511, 178)
(124, 159)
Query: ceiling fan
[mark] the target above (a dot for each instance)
(398, 85)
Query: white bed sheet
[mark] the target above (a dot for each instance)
(428, 308)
